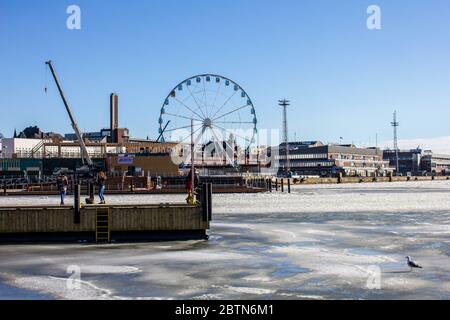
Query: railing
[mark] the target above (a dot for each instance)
(36, 148)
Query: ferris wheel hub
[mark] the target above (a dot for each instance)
(207, 123)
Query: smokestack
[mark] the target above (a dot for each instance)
(114, 103)
(114, 116)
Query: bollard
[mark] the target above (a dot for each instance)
(207, 201)
(270, 185)
(276, 184)
(289, 185)
(204, 202)
(77, 205)
(210, 190)
(72, 184)
(91, 192)
(282, 185)
(4, 189)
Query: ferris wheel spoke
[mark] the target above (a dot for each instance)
(204, 98)
(188, 136)
(223, 105)
(217, 151)
(196, 141)
(230, 131)
(228, 145)
(193, 133)
(221, 147)
(185, 127)
(196, 102)
(178, 116)
(233, 111)
(218, 143)
(217, 95)
(234, 122)
(182, 103)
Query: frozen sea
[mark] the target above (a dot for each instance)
(319, 242)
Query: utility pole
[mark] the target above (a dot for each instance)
(395, 124)
(192, 160)
(284, 104)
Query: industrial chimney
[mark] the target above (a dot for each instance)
(114, 116)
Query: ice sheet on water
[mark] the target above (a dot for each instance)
(317, 242)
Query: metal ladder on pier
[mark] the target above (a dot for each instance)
(102, 228)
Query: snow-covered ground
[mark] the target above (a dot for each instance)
(320, 242)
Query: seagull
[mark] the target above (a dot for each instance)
(412, 264)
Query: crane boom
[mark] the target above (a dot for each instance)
(162, 131)
(84, 153)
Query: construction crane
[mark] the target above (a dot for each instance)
(85, 158)
(162, 132)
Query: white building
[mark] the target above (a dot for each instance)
(41, 148)
(22, 147)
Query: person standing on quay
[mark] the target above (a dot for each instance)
(101, 178)
(61, 183)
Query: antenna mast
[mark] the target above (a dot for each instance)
(284, 104)
(395, 124)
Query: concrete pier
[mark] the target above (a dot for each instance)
(121, 222)
(349, 180)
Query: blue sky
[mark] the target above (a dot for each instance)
(343, 79)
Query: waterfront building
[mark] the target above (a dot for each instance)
(141, 164)
(99, 136)
(313, 158)
(418, 162)
(408, 160)
(435, 164)
(19, 147)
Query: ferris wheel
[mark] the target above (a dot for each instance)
(208, 109)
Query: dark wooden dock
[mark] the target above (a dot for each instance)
(108, 223)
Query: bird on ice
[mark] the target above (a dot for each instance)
(412, 264)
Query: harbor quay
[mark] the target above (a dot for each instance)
(113, 223)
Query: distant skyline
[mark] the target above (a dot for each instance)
(343, 80)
